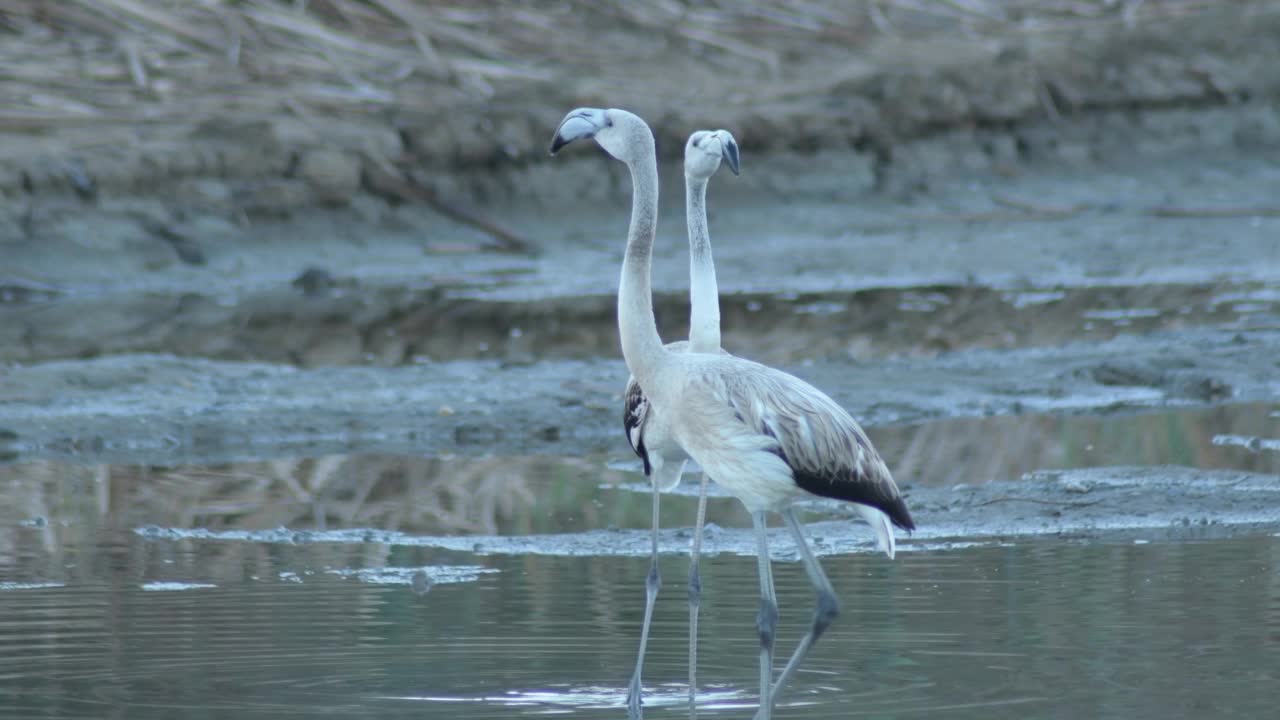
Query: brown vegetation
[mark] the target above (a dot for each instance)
(83, 73)
(149, 61)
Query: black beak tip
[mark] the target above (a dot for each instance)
(557, 142)
(731, 156)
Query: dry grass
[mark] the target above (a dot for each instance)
(151, 62)
(135, 95)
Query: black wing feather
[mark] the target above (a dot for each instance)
(634, 411)
(836, 484)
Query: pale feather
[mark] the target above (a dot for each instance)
(762, 433)
(650, 434)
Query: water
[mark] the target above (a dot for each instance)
(1040, 628)
(110, 606)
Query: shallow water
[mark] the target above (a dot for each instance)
(123, 625)
(136, 591)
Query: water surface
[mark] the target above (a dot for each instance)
(128, 626)
(142, 591)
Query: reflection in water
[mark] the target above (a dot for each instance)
(568, 697)
(1043, 628)
(523, 495)
(978, 450)
(456, 495)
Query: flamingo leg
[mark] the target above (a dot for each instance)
(695, 595)
(828, 606)
(767, 619)
(652, 583)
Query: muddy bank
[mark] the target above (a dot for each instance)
(980, 258)
(1026, 158)
(165, 409)
(1195, 206)
(1143, 503)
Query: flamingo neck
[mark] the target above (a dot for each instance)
(704, 294)
(641, 345)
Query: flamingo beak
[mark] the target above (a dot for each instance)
(578, 124)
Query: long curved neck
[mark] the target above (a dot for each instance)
(704, 294)
(641, 345)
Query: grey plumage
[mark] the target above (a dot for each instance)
(732, 405)
(827, 451)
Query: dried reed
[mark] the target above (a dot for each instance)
(95, 62)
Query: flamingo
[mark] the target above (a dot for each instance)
(766, 436)
(647, 431)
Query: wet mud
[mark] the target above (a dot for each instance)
(346, 324)
(972, 294)
(153, 408)
(1129, 243)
